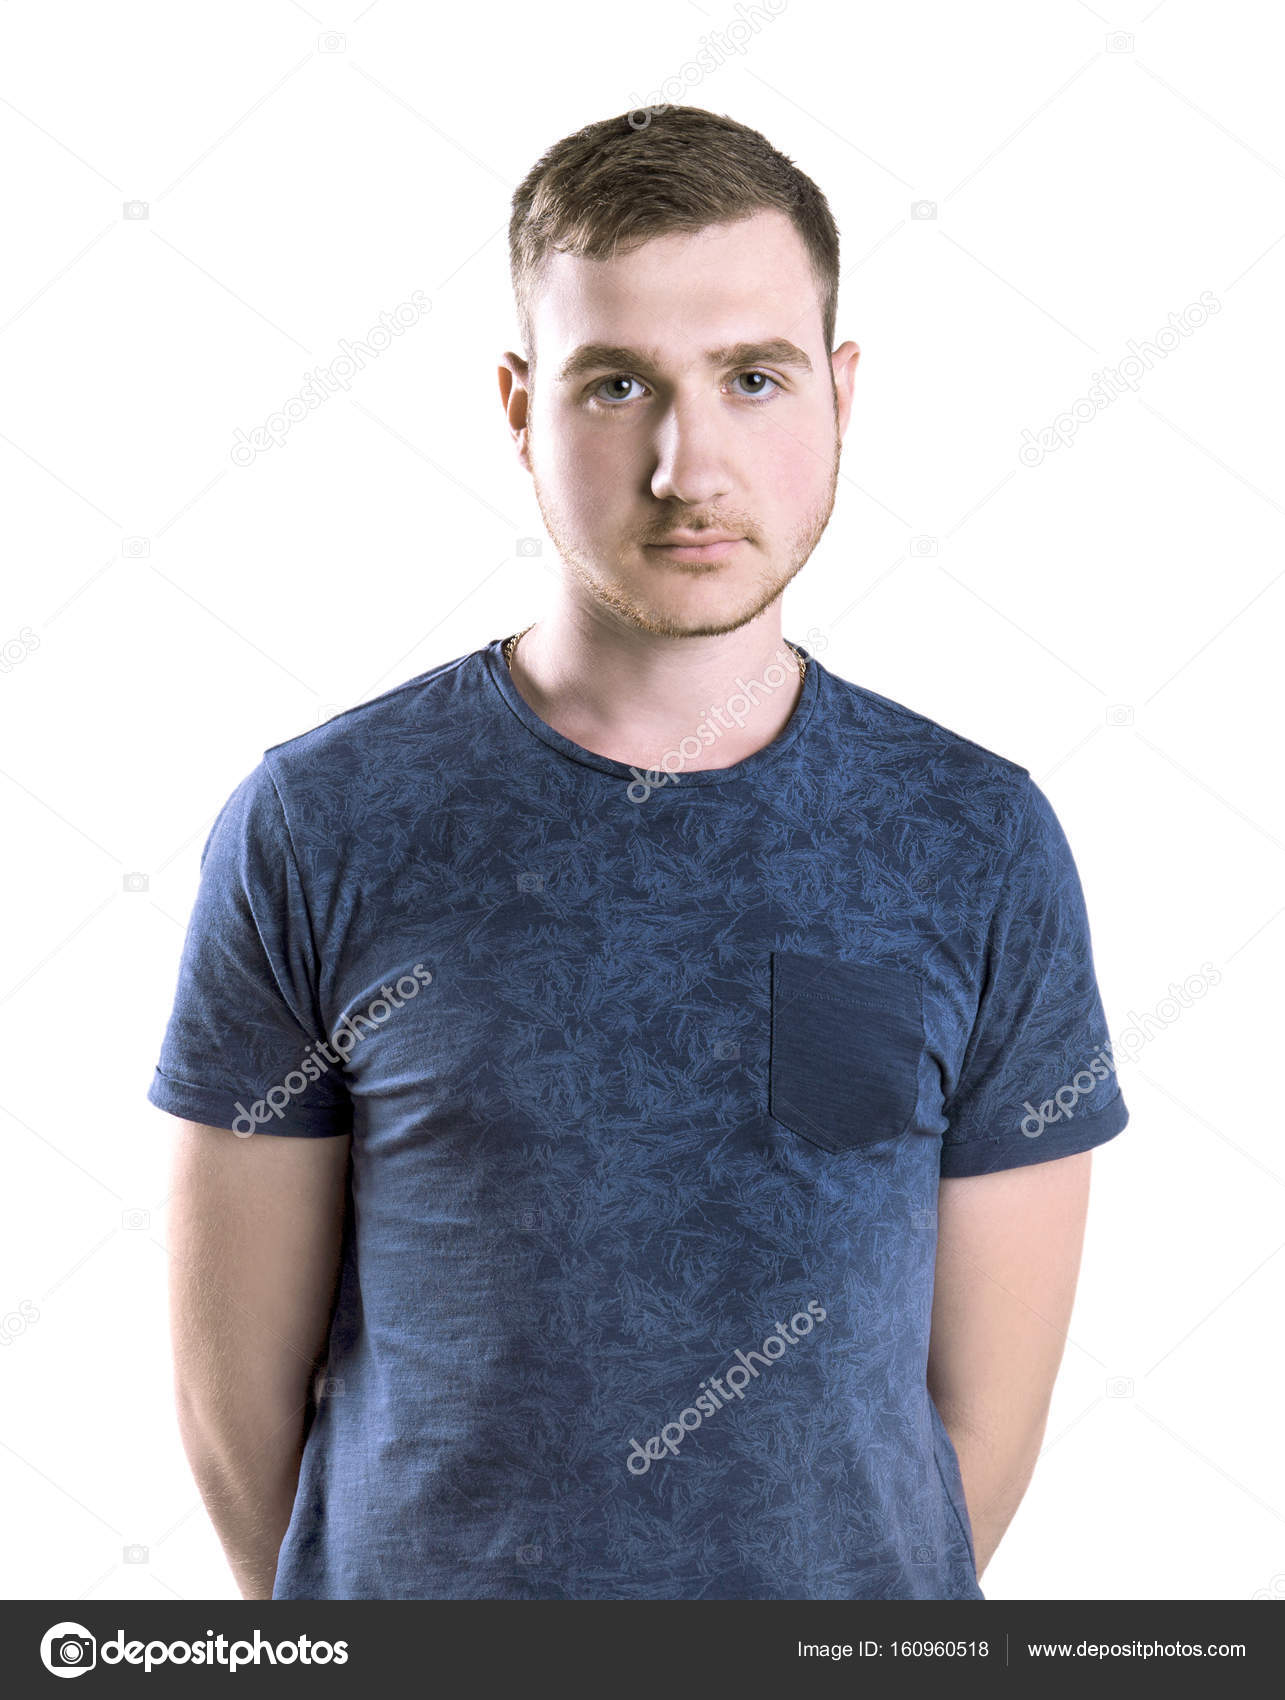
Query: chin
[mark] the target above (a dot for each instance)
(708, 611)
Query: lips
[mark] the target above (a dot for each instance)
(697, 546)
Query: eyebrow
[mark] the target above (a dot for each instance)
(603, 356)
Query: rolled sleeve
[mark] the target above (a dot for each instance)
(1038, 1078)
(245, 1047)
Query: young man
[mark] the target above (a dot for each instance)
(678, 1065)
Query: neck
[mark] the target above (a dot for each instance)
(634, 697)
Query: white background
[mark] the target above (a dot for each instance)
(1109, 618)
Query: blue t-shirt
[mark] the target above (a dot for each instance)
(650, 1082)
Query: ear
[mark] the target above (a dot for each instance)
(515, 396)
(843, 363)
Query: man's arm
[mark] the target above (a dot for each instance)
(256, 1232)
(1008, 1258)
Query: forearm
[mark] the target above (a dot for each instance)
(256, 1243)
(996, 1461)
(245, 1460)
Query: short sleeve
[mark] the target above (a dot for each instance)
(245, 1046)
(1038, 1077)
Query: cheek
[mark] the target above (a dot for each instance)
(586, 471)
(791, 475)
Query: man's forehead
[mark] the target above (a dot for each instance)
(685, 294)
(763, 248)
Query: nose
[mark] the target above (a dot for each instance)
(691, 460)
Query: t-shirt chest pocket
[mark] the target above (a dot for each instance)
(845, 1048)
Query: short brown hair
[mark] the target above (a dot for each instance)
(614, 185)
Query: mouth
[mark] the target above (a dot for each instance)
(684, 550)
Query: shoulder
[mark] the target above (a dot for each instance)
(937, 770)
(349, 781)
(414, 721)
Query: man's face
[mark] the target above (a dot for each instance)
(684, 388)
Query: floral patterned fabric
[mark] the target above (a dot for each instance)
(651, 1081)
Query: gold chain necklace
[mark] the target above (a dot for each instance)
(510, 644)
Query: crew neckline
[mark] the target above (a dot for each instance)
(746, 768)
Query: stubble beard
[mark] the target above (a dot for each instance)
(611, 589)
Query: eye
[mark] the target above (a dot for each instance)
(759, 395)
(623, 380)
(615, 378)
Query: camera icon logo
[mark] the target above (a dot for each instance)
(528, 546)
(135, 209)
(135, 882)
(530, 882)
(135, 1221)
(332, 42)
(726, 1049)
(529, 1554)
(1120, 1387)
(68, 1649)
(923, 546)
(136, 548)
(1119, 41)
(1120, 714)
(135, 1554)
(923, 209)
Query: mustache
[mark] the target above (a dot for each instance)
(699, 522)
